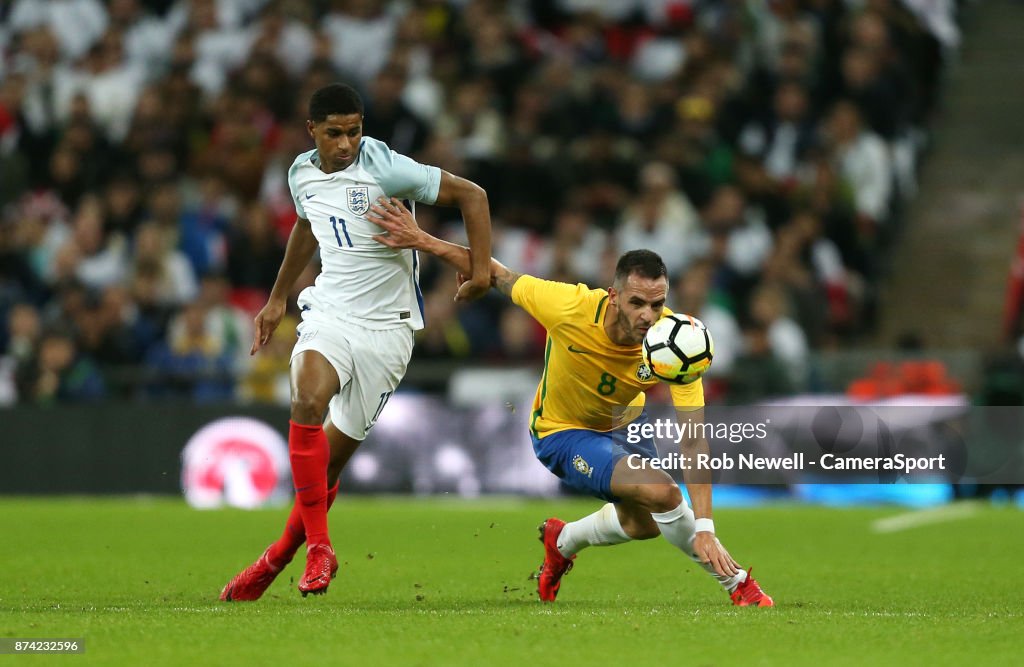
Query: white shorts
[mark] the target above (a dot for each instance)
(370, 364)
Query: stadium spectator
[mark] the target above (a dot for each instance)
(285, 37)
(769, 310)
(577, 242)
(151, 311)
(266, 378)
(211, 41)
(99, 259)
(153, 124)
(862, 160)
(226, 323)
(107, 339)
(146, 38)
(254, 255)
(203, 226)
(759, 373)
(389, 118)
(57, 372)
(448, 338)
(77, 24)
(472, 123)
(108, 83)
(122, 204)
(695, 294)
(70, 298)
(192, 363)
(829, 293)
(24, 326)
(876, 95)
(779, 140)
(601, 174)
(157, 260)
(660, 217)
(67, 177)
(360, 34)
(735, 236)
(128, 343)
(521, 340)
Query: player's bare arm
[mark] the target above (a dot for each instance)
(301, 246)
(471, 199)
(503, 279)
(403, 232)
(698, 486)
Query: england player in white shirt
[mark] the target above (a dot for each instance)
(358, 319)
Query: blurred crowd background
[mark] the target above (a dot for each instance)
(767, 149)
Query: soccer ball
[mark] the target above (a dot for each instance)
(678, 348)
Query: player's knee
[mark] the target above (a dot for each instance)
(662, 497)
(307, 408)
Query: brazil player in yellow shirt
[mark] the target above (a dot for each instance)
(591, 389)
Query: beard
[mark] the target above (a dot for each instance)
(633, 336)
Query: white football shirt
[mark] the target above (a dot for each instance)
(361, 280)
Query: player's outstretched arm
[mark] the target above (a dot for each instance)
(698, 487)
(301, 245)
(403, 232)
(471, 199)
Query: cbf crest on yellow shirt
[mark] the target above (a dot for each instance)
(588, 380)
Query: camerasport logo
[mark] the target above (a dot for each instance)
(235, 461)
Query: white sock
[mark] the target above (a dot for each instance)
(599, 529)
(677, 527)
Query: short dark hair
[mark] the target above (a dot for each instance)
(644, 263)
(336, 98)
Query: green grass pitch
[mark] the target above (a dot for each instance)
(437, 582)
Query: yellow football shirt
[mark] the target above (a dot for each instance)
(588, 380)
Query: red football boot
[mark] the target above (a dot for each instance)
(250, 583)
(749, 594)
(321, 567)
(549, 579)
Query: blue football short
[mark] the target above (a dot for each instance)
(585, 459)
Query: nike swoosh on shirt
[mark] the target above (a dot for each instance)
(572, 349)
(310, 196)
